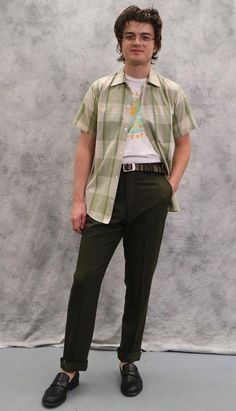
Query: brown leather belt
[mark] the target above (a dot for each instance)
(152, 167)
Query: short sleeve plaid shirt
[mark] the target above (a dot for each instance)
(105, 115)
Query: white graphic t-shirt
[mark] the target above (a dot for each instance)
(138, 146)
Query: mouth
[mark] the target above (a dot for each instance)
(136, 51)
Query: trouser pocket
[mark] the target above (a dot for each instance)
(170, 186)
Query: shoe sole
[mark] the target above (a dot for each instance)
(50, 405)
(133, 394)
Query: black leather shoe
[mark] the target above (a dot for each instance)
(131, 381)
(56, 393)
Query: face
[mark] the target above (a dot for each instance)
(138, 45)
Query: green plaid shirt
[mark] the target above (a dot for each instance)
(105, 115)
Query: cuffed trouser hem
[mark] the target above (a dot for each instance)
(73, 366)
(129, 357)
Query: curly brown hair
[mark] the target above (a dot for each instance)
(134, 13)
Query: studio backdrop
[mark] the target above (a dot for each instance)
(50, 53)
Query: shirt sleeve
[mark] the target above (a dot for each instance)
(183, 120)
(86, 118)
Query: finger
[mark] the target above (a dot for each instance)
(77, 229)
(75, 223)
(83, 220)
(78, 226)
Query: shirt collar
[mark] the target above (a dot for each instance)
(153, 78)
(120, 78)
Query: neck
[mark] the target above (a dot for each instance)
(139, 71)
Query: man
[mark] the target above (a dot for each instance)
(133, 150)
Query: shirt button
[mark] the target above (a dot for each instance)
(126, 129)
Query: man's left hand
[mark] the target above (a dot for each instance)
(174, 185)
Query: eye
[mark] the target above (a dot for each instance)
(146, 37)
(129, 36)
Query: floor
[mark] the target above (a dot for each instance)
(173, 381)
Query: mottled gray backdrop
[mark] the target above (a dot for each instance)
(50, 53)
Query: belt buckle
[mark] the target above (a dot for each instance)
(132, 169)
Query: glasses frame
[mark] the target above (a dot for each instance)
(145, 38)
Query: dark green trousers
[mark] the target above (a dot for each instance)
(139, 215)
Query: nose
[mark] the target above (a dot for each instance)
(137, 40)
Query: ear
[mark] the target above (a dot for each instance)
(156, 48)
(119, 45)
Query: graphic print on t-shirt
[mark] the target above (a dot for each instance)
(138, 147)
(136, 129)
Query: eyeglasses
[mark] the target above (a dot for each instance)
(145, 38)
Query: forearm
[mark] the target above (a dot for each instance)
(180, 161)
(82, 168)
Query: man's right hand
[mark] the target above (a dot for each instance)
(78, 216)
